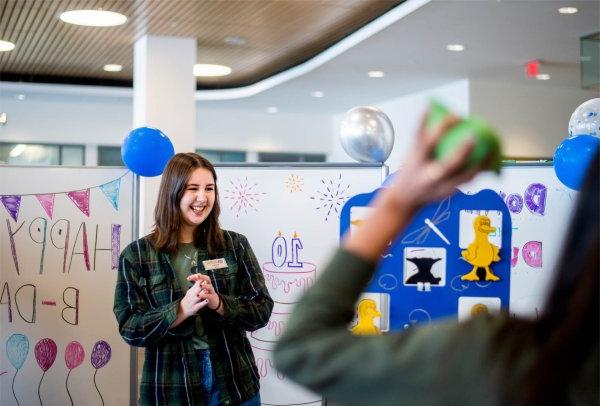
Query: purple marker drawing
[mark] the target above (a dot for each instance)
(45, 353)
(101, 354)
(535, 198)
(332, 196)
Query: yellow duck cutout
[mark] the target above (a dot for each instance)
(367, 312)
(481, 253)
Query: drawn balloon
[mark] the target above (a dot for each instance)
(45, 352)
(17, 348)
(101, 354)
(74, 355)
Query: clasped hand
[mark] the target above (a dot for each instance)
(200, 295)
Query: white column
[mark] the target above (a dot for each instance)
(251, 156)
(163, 97)
(91, 154)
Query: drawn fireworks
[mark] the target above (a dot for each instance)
(243, 196)
(332, 196)
(294, 183)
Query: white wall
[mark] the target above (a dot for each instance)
(106, 120)
(65, 119)
(259, 131)
(532, 119)
(405, 114)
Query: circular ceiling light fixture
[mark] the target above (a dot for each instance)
(455, 47)
(542, 76)
(113, 67)
(210, 70)
(93, 18)
(568, 10)
(6, 46)
(271, 109)
(376, 73)
(317, 93)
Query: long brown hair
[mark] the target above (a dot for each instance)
(567, 331)
(167, 214)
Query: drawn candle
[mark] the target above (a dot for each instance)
(279, 250)
(296, 246)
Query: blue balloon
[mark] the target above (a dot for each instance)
(146, 151)
(573, 157)
(17, 348)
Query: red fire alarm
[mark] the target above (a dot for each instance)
(532, 68)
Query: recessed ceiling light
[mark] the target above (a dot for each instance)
(568, 10)
(206, 69)
(376, 74)
(113, 67)
(542, 76)
(6, 46)
(317, 94)
(93, 18)
(272, 109)
(20, 97)
(455, 47)
(235, 40)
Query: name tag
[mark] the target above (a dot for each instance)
(211, 264)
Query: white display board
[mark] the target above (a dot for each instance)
(61, 233)
(540, 207)
(290, 215)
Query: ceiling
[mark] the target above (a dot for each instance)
(500, 36)
(256, 38)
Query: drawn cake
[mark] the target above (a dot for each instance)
(287, 279)
(286, 285)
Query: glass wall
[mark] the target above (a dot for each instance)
(42, 154)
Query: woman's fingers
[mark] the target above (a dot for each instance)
(456, 162)
(434, 136)
(200, 305)
(198, 277)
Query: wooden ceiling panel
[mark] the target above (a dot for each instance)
(279, 34)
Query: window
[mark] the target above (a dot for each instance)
(109, 156)
(41, 154)
(222, 156)
(289, 157)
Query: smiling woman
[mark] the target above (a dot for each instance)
(188, 292)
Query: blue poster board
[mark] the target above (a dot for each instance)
(420, 277)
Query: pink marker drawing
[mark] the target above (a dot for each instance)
(74, 355)
(45, 353)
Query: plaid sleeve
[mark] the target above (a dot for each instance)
(250, 309)
(139, 324)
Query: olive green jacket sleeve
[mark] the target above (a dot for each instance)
(419, 366)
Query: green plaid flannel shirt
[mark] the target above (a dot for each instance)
(147, 296)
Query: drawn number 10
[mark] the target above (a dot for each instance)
(279, 252)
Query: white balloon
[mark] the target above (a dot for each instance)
(585, 120)
(367, 134)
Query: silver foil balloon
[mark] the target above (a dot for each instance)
(367, 134)
(585, 120)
